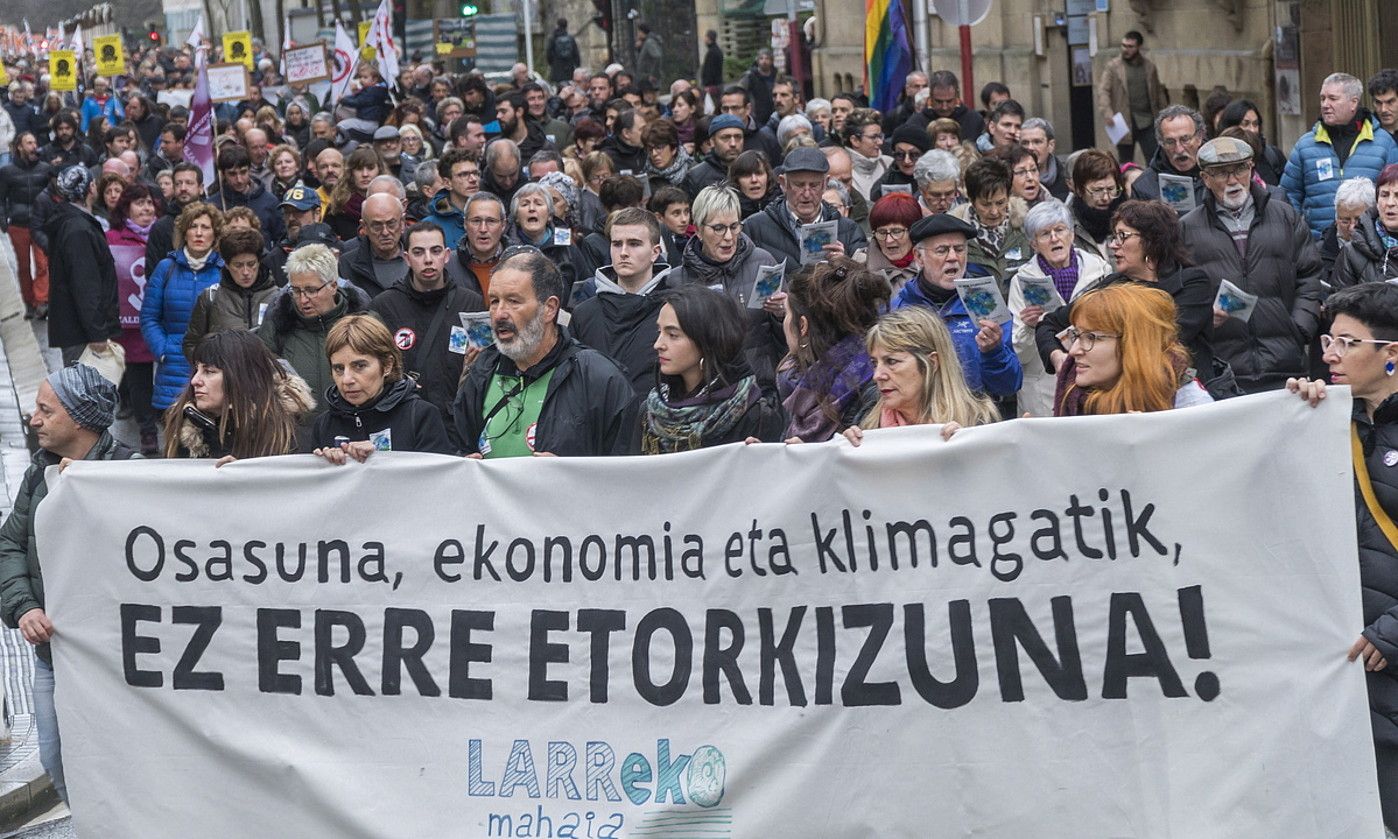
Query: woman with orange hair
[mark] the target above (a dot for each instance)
(1124, 355)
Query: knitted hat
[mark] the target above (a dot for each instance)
(86, 395)
(913, 136)
(74, 182)
(565, 186)
(723, 121)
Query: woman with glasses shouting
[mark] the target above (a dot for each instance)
(1149, 250)
(1124, 355)
(1362, 352)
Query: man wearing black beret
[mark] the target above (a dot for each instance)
(983, 346)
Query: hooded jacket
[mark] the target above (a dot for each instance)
(293, 394)
(21, 577)
(260, 201)
(170, 294)
(1364, 259)
(775, 230)
(446, 215)
(621, 324)
(997, 372)
(83, 290)
(1282, 267)
(300, 340)
(20, 185)
(585, 407)
(1314, 173)
(228, 306)
(399, 420)
(429, 358)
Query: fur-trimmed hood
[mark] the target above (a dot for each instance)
(293, 393)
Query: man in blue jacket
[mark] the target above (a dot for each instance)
(984, 347)
(1346, 143)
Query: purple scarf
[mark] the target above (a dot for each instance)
(817, 399)
(1064, 279)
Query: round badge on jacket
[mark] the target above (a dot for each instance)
(405, 338)
(1390, 458)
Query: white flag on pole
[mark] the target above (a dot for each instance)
(286, 43)
(381, 39)
(346, 59)
(77, 42)
(195, 41)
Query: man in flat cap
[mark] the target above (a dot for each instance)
(984, 346)
(777, 228)
(72, 414)
(1262, 246)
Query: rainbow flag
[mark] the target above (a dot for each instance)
(888, 58)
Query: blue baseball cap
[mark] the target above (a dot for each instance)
(301, 197)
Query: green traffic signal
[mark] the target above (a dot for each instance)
(470, 9)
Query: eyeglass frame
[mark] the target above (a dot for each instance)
(1327, 341)
(306, 294)
(1072, 335)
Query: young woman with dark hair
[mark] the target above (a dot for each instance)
(706, 394)
(240, 403)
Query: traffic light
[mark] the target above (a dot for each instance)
(154, 36)
(470, 8)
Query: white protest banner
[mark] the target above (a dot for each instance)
(1139, 631)
(228, 82)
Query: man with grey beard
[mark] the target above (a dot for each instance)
(536, 391)
(1259, 243)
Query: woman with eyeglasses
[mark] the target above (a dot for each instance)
(893, 255)
(298, 320)
(721, 256)
(1124, 355)
(171, 289)
(1361, 351)
(751, 176)
(1024, 173)
(919, 377)
(238, 403)
(999, 246)
(1149, 250)
(1372, 255)
(909, 144)
(1071, 270)
(371, 405)
(1098, 191)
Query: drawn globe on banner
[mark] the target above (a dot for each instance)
(342, 66)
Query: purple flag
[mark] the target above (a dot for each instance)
(199, 142)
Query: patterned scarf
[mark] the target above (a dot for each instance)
(992, 237)
(684, 425)
(816, 400)
(1064, 279)
(675, 172)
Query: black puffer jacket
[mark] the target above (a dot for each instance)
(626, 158)
(399, 420)
(408, 313)
(622, 326)
(357, 266)
(20, 185)
(1378, 570)
(707, 172)
(774, 229)
(1282, 267)
(1365, 259)
(584, 411)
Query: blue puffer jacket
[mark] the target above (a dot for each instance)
(1313, 173)
(170, 294)
(997, 373)
(109, 109)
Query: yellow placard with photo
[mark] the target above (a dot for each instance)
(63, 70)
(237, 47)
(110, 55)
